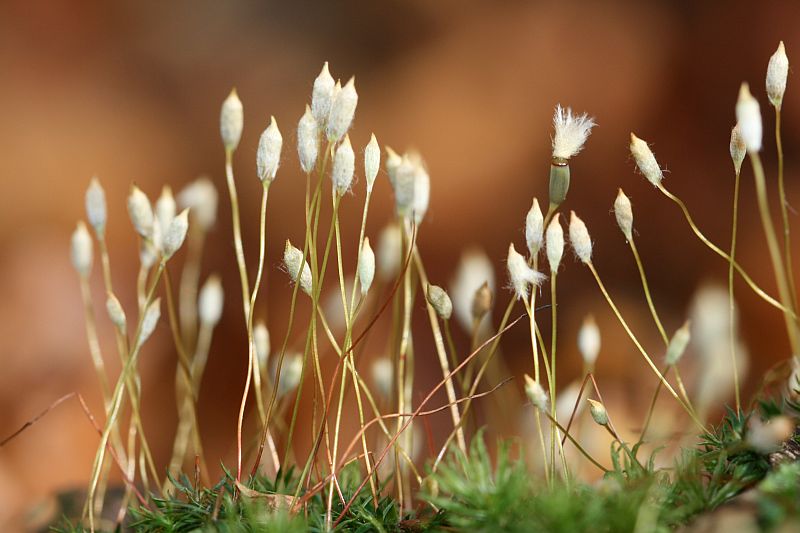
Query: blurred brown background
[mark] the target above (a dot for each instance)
(130, 92)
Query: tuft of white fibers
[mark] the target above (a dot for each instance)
(390, 252)
(201, 197)
(440, 301)
(115, 312)
(570, 132)
(96, 211)
(81, 250)
(777, 72)
(343, 167)
(321, 95)
(140, 212)
(589, 341)
(554, 243)
(165, 208)
(536, 393)
(645, 160)
(474, 269)
(579, 238)
(383, 375)
(738, 149)
(291, 371)
(372, 162)
(231, 121)
(748, 116)
(520, 275)
(298, 270)
(677, 345)
(767, 437)
(307, 141)
(624, 214)
(366, 267)
(268, 154)
(261, 341)
(343, 109)
(598, 411)
(210, 301)
(534, 228)
(151, 316)
(175, 234)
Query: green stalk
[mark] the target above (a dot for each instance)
(781, 277)
(732, 310)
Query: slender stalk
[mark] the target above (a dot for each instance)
(731, 303)
(553, 337)
(787, 240)
(184, 367)
(651, 409)
(441, 352)
(647, 358)
(116, 402)
(781, 277)
(647, 294)
(713, 247)
(575, 442)
(188, 286)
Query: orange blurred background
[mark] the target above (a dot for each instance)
(131, 91)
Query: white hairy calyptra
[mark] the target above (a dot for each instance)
(366, 267)
(321, 95)
(151, 316)
(372, 162)
(589, 341)
(175, 234)
(554, 243)
(140, 212)
(231, 121)
(343, 167)
(81, 250)
(440, 301)
(536, 393)
(645, 160)
(268, 154)
(748, 116)
(677, 345)
(534, 228)
(520, 275)
(307, 141)
(579, 238)
(738, 149)
(624, 214)
(343, 109)
(210, 301)
(298, 270)
(96, 211)
(115, 312)
(201, 197)
(777, 72)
